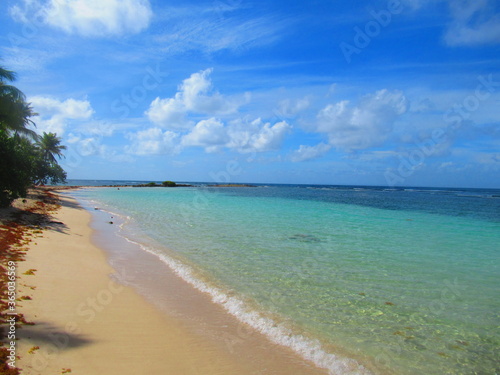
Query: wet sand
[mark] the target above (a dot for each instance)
(89, 322)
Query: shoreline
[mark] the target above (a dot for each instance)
(87, 323)
(216, 313)
(153, 274)
(161, 285)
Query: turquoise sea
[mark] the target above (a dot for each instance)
(405, 278)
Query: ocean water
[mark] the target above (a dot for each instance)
(406, 279)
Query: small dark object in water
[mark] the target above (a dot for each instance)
(389, 303)
(362, 294)
(110, 222)
(304, 238)
(95, 208)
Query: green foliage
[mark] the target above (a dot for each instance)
(151, 184)
(23, 163)
(15, 113)
(16, 165)
(169, 184)
(14, 117)
(48, 173)
(50, 145)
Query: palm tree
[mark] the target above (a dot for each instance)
(9, 90)
(15, 117)
(15, 113)
(50, 146)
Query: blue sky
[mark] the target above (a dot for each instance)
(399, 92)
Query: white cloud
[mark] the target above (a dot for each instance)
(28, 60)
(153, 141)
(210, 134)
(474, 22)
(310, 152)
(290, 107)
(240, 136)
(72, 138)
(91, 18)
(196, 27)
(489, 158)
(70, 108)
(169, 113)
(112, 155)
(195, 95)
(446, 165)
(89, 146)
(257, 136)
(363, 126)
(213, 135)
(374, 156)
(55, 115)
(103, 128)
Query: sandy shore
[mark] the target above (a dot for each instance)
(86, 323)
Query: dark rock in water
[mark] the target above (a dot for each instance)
(304, 238)
(110, 222)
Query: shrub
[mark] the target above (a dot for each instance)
(169, 184)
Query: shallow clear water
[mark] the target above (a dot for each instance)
(408, 279)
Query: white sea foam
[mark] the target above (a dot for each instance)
(308, 349)
(222, 239)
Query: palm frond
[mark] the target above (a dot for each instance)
(50, 146)
(15, 117)
(6, 74)
(11, 91)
